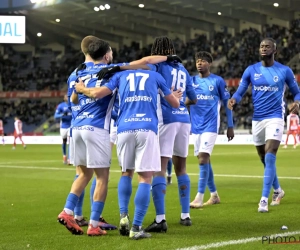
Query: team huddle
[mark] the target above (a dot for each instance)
(148, 108)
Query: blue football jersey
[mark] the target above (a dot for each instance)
(94, 112)
(64, 113)
(268, 87)
(71, 84)
(178, 77)
(138, 91)
(205, 114)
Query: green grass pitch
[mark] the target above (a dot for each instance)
(34, 185)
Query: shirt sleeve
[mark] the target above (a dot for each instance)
(113, 83)
(290, 80)
(153, 67)
(162, 85)
(244, 84)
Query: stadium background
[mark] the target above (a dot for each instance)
(231, 30)
(34, 182)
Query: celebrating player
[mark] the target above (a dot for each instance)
(292, 127)
(268, 79)
(63, 113)
(174, 132)
(18, 132)
(205, 120)
(137, 142)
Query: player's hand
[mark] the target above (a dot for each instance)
(173, 58)
(294, 108)
(178, 93)
(79, 87)
(231, 102)
(105, 71)
(230, 134)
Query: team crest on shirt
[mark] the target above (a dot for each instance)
(275, 78)
(211, 88)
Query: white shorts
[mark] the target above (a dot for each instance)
(174, 139)
(113, 132)
(204, 143)
(64, 133)
(138, 150)
(71, 151)
(268, 129)
(91, 147)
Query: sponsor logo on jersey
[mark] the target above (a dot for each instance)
(88, 128)
(265, 88)
(205, 97)
(138, 98)
(137, 118)
(257, 76)
(195, 85)
(85, 115)
(180, 111)
(75, 108)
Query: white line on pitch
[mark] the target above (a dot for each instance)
(235, 242)
(118, 171)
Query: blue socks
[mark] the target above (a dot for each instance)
(64, 148)
(158, 194)
(169, 167)
(78, 208)
(275, 184)
(204, 174)
(141, 202)
(124, 193)
(97, 209)
(93, 186)
(184, 192)
(71, 201)
(211, 182)
(269, 174)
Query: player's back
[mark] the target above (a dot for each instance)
(138, 90)
(178, 77)
(93, 112)
(268, 87)
(205, 115)
(292, 122)
(18, 126)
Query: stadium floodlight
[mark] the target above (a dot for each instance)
(276, 4)
(219, 13)
(107, 6)
(57, 20)
(39, 34)
(102, 7)
(96, 9)
(141, 5)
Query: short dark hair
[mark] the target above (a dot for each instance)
(95, 47)
(163, 46)
(271, 40)
(204, 55)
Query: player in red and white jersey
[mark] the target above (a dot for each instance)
(18, 132)
(2, 132)
(292, 128)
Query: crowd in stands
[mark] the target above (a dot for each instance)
(23, 72)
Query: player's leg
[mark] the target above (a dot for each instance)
(146, 162)
(15, 138)
(295, 139)
(126, 143)
(64, 136)
(180, 152)
(286, 140)
(169, 171)
(273, 135)
(71, 148)
(66, 216)
(98, 158)
(159, 184)
(23, 144)
(78, 209)
(214, 196)
(113, 133)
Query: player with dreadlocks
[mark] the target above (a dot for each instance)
(174, 131)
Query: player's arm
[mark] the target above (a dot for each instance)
(58, 114)
(156, 60)
(288, 122)
(225, 96)
(243, 86)
(74, 97)
(191, 98)
(290, 80)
